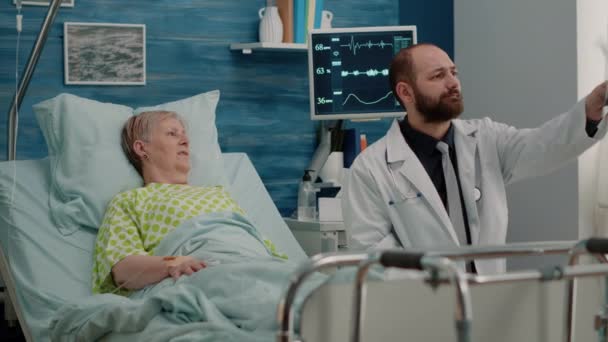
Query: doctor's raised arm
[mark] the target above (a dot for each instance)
(526, 153)
(435, 180)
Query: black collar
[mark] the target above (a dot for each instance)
(422, 142)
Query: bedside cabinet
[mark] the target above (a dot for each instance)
(318, 237)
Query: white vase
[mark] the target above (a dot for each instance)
(326, 17)
(271, 27)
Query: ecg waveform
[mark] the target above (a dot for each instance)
(354, 46)
(364, 102)
(370, 73)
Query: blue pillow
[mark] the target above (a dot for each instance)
(88, 166)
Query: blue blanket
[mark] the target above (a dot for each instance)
(233, 299)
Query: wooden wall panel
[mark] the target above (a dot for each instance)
(263, 109)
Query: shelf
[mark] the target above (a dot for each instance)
(314, 225)
(248, 48)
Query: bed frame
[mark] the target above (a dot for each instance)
(560, 303)
(11, 312)
(519, 306)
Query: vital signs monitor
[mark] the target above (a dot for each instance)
(348, 71)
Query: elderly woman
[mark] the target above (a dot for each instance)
(227, 279)
(137, 220)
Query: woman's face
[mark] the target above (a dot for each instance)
(168, 148)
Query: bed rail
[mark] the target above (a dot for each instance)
(436, 261)
(596, 246)
(574, 249)
(286, 309)
(11, 295)
(435, 265)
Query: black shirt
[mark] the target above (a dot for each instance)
(425, 148)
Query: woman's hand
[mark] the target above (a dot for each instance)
(138, 271)
(180, 265)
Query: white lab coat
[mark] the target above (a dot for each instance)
(390, 201)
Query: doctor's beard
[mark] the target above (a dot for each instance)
(449, 106)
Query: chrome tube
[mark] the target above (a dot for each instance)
(502, 251)
(601, 317)
(568, 272)
(457, 277)
(580, 248)
(286, 310)
(577, 250)
(464, 308)
(13, 119)
(359, 296)
(580, 271)
(583, 271)
(505, 278)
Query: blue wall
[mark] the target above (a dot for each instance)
(263, 109)
(435, 21)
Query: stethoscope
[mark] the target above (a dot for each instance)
(404, 197)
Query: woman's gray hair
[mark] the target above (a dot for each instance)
(139, 127)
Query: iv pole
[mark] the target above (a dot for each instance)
(322, 151)
(26, 78)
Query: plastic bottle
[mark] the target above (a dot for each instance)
(307, 199)
(363, 142)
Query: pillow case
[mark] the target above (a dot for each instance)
(88, 166)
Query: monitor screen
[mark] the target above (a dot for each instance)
(348, 71)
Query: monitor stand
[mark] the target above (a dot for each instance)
(323, 149)
(321, 154)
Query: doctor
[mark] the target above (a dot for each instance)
(437, 181)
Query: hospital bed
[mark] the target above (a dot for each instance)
(43, 269)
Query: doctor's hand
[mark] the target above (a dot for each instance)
(180, 265)
(595, 102)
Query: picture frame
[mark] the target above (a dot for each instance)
(104, 53)
(64, 3)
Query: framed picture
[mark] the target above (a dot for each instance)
(104, 54)
(64, 3)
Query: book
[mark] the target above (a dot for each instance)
(286, 12)
(314, 11)
(318, 13)
(299, 21)
(310, 16)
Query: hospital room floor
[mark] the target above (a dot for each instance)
(8, 334)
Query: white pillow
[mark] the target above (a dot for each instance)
(88, 166)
